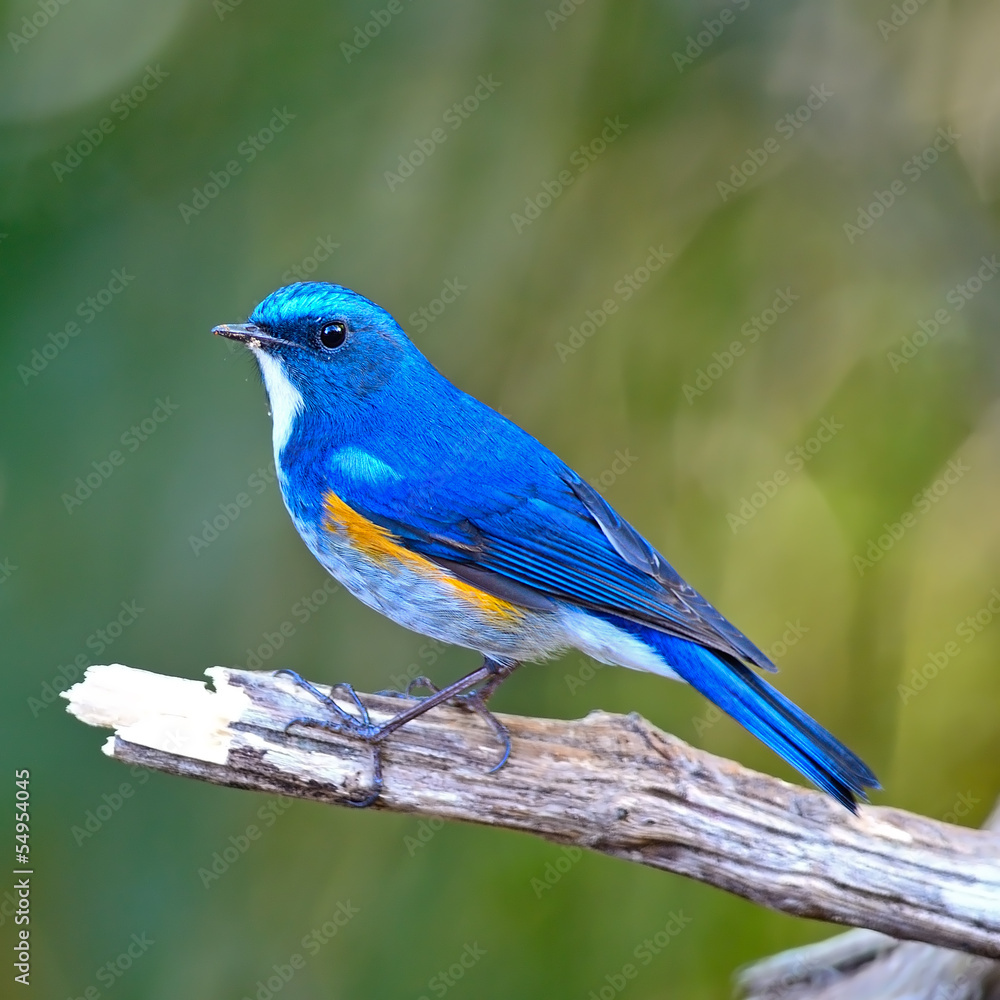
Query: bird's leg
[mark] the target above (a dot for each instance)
(417, 682)
(342, 722)
(347, 719)
(420, 682)
(475, 700)
(359, 725)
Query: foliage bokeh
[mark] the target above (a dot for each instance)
(698, 101)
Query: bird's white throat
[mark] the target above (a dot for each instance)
(286, 400)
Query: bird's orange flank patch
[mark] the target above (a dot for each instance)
(493, 607)
(366, 536)
(382, 546)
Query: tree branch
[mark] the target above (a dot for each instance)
(866, 965)
(610, 783)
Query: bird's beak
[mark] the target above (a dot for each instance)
(249, 334)
(246, 333)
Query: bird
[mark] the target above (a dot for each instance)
(451, 520)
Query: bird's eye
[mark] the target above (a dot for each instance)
(333, 334)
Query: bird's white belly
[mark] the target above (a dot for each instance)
(428, 599)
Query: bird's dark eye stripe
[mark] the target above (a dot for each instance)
(333, 334)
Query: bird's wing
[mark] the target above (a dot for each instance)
(552, 537)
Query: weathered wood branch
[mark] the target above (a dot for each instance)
(610, 783)
(866, 965)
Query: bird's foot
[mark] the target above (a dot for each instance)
(474, 701)
(358, 723)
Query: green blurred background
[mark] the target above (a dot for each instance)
(695, 104)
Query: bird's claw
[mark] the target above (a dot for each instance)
(475, 701)
(360, 726)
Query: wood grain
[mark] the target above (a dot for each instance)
(609, 783)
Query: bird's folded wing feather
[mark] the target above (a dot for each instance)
(553, 539)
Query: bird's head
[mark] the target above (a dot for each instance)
(322, 349)
(326, 342)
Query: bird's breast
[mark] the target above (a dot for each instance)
(372, 562)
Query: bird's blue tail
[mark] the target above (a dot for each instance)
(767, 713)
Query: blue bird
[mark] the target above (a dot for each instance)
(446, 517)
